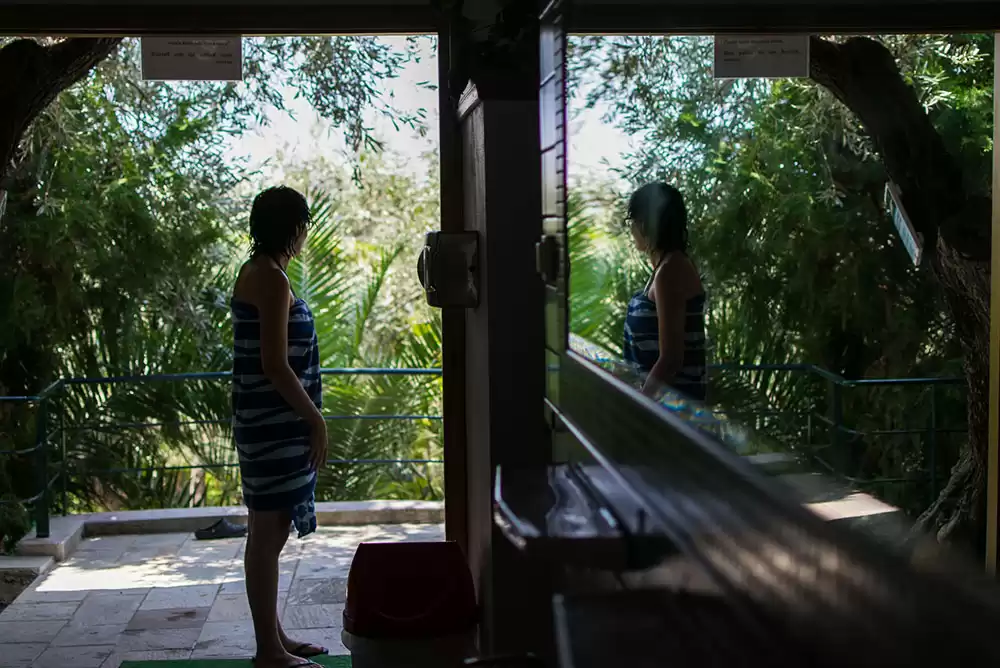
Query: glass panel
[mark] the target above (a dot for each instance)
(830, 358)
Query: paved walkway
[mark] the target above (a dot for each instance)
(168, 596)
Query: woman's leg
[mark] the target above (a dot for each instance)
(268, 534)
(297, 647)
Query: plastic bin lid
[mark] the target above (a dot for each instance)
(409, 590)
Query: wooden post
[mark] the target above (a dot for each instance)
(504, 347)
(452, 319)
(992, 516)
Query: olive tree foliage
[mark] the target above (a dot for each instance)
(785, 185)
(341, 77)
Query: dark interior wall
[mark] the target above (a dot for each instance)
(513, 186)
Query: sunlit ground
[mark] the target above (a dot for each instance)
(169, 596)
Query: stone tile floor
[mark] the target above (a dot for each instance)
(168, 596)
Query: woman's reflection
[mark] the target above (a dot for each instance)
(665, 325)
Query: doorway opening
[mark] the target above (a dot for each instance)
(125, 220)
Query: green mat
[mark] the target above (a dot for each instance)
(330, 661)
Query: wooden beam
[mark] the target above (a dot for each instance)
(821, 16)
(296, 17)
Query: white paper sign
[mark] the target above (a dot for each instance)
(912, 240)
(761, 56)
(200, 58)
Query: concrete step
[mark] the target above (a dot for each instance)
(30, 565)
(339, 513)
(836, 501)
(66, 532)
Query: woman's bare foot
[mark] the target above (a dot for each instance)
(306, 650)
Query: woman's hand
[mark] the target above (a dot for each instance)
(653, 387)
(317, 443)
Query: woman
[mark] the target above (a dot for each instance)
(277, 396)
(665, 324)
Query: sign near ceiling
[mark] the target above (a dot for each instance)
(194, 58)
(761, 56)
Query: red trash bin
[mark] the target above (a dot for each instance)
(410, 603)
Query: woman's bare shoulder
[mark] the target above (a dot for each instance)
(258, 281)
(678, 277)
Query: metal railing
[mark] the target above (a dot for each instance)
(51, 434)
(830, 437)
(823, 436)
(39, 454)
(827, 438)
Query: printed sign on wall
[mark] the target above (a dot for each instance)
(192, 58)
(761, 56)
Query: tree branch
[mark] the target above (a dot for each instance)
(862, 74)
(33, 76)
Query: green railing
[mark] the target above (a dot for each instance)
(53, 431)
(38, 452)
(830, 436)
(829, 423)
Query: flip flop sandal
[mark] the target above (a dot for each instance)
(301, 651)
(307, 664)
(221, 529)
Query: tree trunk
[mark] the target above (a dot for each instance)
(31, 76)
(959, 512)
(955, 226)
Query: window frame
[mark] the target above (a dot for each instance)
(586, 395)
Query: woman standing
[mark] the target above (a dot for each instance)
(277, 395)
(665, 324)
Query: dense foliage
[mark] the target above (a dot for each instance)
(124, 225)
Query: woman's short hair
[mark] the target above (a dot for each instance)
(277, 218)
(658, 210)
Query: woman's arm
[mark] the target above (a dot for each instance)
(671, 311)
(272, 305)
